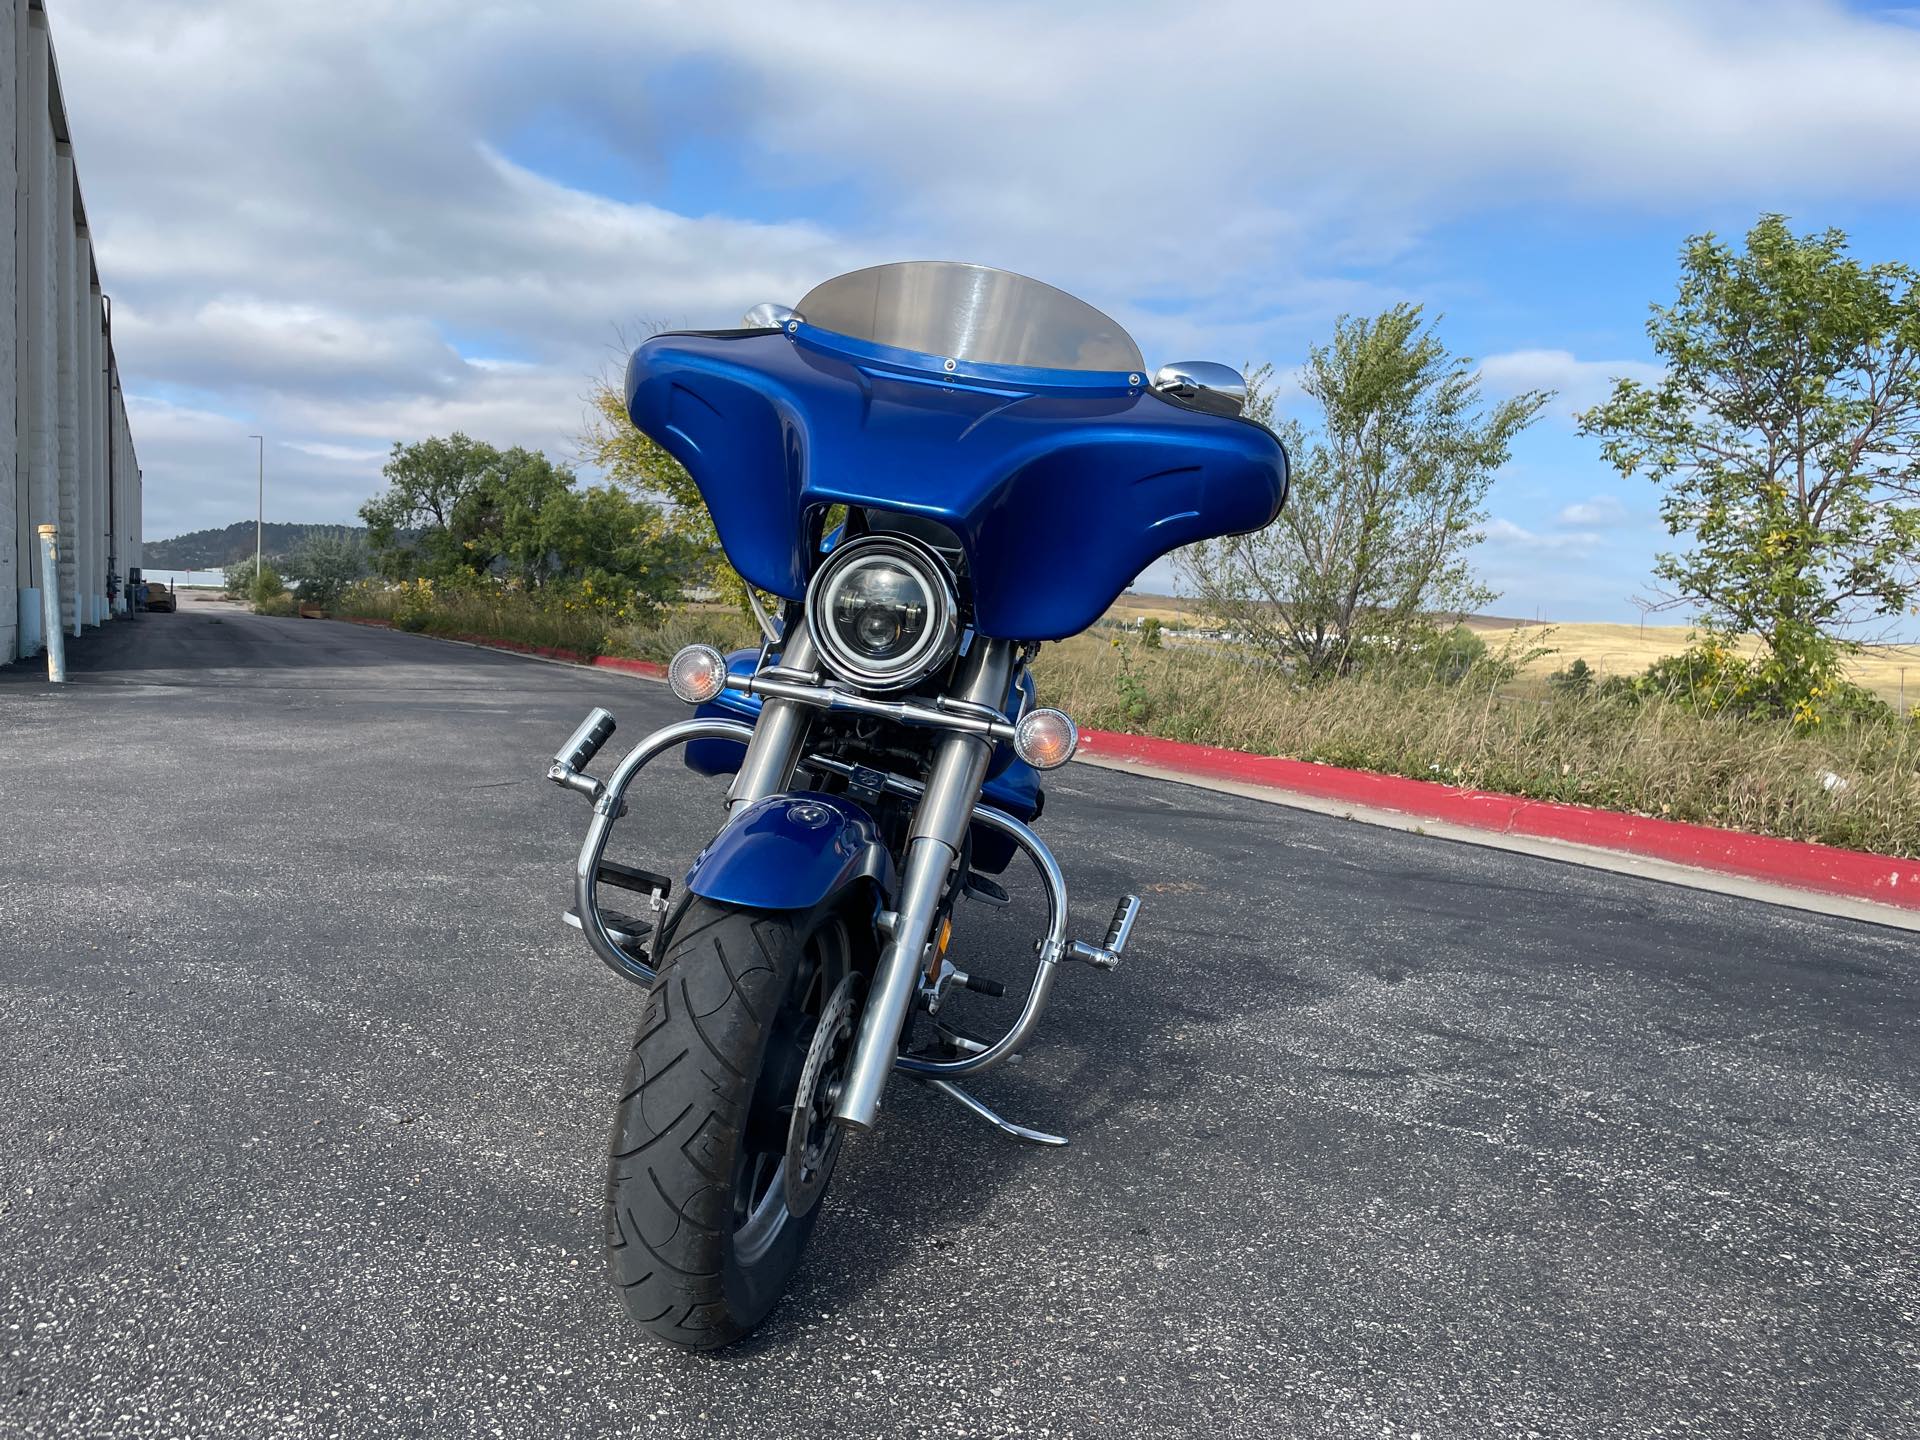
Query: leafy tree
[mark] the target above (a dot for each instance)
(458, 511)
(325, 565)
(1387, 499)
(615, 549)
(500, 524)
(1786, 433)
(412, 528)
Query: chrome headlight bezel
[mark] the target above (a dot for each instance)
(935, 646)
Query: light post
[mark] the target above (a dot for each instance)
(260, 515)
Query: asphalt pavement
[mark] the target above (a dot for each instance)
(306, 1096)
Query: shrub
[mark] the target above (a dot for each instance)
(325, 565)
(1576, 679)
(1150, 632)
(266, 587)
(238, 580)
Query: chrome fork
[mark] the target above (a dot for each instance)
(933, 846)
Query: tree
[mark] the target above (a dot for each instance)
(1786, 434)
(456, 507)
(1387, 499)
(325, 565)
(411, 527)
(459, 510)
(616, 549)
(635, 462)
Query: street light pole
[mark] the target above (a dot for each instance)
(260, 515)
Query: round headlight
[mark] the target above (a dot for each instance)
(882, 612)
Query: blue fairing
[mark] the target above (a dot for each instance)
(790, 852)
(1062, 486)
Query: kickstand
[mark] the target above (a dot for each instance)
(978, 1107)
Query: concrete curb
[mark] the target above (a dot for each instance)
(1852, 884)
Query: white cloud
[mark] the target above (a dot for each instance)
(1577, 384)
(307, 215)
(1602, 512)
(1502, 534)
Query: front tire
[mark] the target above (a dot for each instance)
(699, 1235)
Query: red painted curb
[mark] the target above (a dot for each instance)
(652, 669)
(1797, 863)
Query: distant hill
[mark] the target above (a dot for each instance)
(215, 549)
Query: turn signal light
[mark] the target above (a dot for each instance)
(697, 674)
(1045, 739)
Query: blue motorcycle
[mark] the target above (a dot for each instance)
(935, 468)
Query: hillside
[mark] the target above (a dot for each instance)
(214, 549)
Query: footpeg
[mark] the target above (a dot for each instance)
(573, 757)
(1107, 956)
(628, 933)
(979, 887)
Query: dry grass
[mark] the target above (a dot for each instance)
(1628, 650)
(1650, 758)
(1608, 649)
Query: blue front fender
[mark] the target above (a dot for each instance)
(790, 852)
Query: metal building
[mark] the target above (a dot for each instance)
(66, 454)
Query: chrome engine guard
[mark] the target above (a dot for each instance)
(1053, 947)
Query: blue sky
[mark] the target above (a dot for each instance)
(363, 223)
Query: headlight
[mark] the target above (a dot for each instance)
(882, 612)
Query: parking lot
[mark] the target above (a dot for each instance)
(307, 1091)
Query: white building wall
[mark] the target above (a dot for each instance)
(86, 503)
(66, 385)
(10, 24)
(36, 224)
(66, 452)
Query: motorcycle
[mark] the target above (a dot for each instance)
(935, 468)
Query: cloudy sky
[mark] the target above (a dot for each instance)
(355, 223)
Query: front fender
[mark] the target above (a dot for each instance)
(790, 852)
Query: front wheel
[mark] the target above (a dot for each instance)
(701, 1235)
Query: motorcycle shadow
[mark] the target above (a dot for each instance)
(935, 1199)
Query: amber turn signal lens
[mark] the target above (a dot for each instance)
(697, 674)
(1045, 739)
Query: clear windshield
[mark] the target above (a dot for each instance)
(970, 313)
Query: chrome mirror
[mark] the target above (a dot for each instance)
(768, 316)
(1202, 385)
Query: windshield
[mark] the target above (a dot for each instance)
(971, 313)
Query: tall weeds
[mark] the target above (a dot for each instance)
(1855, 785)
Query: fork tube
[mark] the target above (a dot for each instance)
(939, 830)
(778, 735)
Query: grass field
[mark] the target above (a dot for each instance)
(1609, 649)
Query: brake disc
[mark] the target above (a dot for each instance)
(813, 1136)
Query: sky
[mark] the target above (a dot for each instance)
(352, 224)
